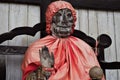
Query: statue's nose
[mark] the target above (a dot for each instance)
(64, 20)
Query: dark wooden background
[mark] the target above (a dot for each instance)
(87, 4)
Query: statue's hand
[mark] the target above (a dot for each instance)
(36, 75)
(96, 73)
(31, 76)
(46, 59)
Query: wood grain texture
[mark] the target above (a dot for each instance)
(33, 18)
(4, 10)
(77, 25)
(84, 4)
(12, 50)
(92, 22)
(18, 17)
(83, 20)
(13, 67)
(103, 27)
(2, 67)
(111, 52)
(117, 37)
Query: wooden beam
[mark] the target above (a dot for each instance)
(24, 30)
(12, 50)
(84, 4)
(2, 67)
(32, 2)
(110, 65)
(96, 4)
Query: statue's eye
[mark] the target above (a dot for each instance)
(58, 14)
(69, 15)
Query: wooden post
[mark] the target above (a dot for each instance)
(2, 68)
(43, 7)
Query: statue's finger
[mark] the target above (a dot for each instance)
(52, 55)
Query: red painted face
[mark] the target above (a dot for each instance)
(62, 23)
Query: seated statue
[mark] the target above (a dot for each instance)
(59, 55)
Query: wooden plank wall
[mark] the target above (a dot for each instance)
(95, 23)
(11, 16)
(91, 22)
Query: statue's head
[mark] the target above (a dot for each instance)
(60, 19)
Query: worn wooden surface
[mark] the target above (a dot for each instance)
(2, 67)
(12, 16)
(10, 62)
(13, 67)
(86, 4)
(91, 22)
(95, 23)
(104, 25)
(117, 37)
(4, 19)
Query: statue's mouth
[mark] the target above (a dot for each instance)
(62, 32)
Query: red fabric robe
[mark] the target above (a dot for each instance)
(73, 58)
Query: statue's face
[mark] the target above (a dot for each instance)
(62, 23)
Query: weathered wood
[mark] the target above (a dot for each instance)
(104, 41)
(32, 2)
(77, 25)
(83, 20)
(110, 54)
(11, 57)
(12, 50)
(2, 67)
(101, 23)
(4, 9)
(10, 62)
(18, 17)
(96, 4)
(22, 30)
(109, 65)
(86, 4)
(19, 31)
(92, 22)
(33, 18)
(104, 28)
(13, 67)
(117, 37)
